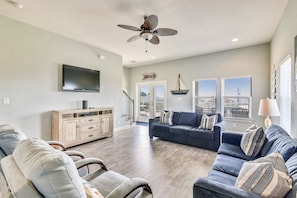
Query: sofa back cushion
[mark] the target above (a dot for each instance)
(187, 118)
(51, 171)
(175, 118)
(279, 140)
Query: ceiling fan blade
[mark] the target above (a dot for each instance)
(155, 40)
(129, 27)
(165, 32)
(151, 22)
(134, 38)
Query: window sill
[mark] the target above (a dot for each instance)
(246, 120)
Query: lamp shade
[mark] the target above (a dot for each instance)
(268, 107)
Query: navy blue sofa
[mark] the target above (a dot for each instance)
(185, 130)
(222, 177)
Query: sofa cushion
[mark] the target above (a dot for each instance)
(51, 171)
(234, 151)
(187, 118)
(201, 133)
(275, 131)
(252, 141)
(175, 117)
(228, 164)
(208, 122)
(222, 177)
(291, 164)
(180, 130)
(161, 127)
(286, 145)
(166, 117)
(266, 176)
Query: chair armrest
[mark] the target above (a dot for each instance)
(204, 187)
(75, 153)
(57, 145)
(89, 161)
(124, 189)
(231, 138)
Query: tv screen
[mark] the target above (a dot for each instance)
(80, 79)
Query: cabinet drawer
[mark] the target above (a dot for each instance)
(89, 127)
(84, 136)
(87, 120)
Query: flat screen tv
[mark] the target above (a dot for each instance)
(80, 79)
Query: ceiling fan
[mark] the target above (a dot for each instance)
(147, 30)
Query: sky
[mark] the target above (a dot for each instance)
(233, 87)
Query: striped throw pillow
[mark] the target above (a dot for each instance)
(253, 141)
(266, 178)
(208, 122)
(166, 117)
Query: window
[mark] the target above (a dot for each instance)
(205, 96)
(237, 96)
(285, 94)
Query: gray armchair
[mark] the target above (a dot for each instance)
(35, 169)
(10, 137)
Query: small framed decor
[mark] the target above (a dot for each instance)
(149, 76)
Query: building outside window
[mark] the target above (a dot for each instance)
(237, 97)
(205, 96)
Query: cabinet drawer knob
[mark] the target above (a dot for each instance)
(90, 136)
(91, 127)
(90, 120)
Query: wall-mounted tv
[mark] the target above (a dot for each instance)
(80, 79)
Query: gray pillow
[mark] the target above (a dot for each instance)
(51, 171)
(252, 141)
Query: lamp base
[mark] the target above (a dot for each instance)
(267, 122)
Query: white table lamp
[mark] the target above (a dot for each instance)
(268, 107)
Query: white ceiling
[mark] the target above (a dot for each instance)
(203, 26)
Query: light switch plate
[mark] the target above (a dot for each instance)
(6, 101)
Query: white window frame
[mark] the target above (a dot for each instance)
(285, 93)
(247, 97)
(196, 95)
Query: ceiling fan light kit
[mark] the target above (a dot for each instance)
(148, 32)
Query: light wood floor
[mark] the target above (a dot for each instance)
(171, 169)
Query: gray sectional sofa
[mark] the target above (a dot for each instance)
(185, 130)
(222, 178)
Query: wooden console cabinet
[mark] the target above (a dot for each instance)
(73, 127)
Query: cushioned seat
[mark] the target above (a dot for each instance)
(201, 133)
(180, 130)
(227, 164)
(161, 127)
(234, 151)
(222, 177)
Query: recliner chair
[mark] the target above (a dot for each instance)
(35, 169)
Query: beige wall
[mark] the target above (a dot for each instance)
(30, 63)
(282, 45)
(253, 61)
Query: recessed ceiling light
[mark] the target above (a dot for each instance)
(153, 57)
(235, 40)
(16, 4)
